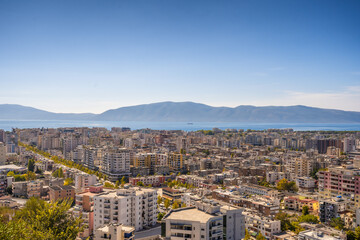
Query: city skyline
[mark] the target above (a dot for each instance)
(85, 56)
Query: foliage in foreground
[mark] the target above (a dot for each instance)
(41, 220)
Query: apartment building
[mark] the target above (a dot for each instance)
(116, 163)
(2, 154)
(154, 181)
(331, 208)
(34, 188)
(259, 190)
(205, 219)
(83, 181)
(297, 204)
(306, 184)
(264, 206)
(273, 177)
(84, 203)
(192, 223)
(114, 232)
(340, 181)
(61, 192)
(175, 161)
(258, 223)
(135, 207)
(19, 189)
(3, 184)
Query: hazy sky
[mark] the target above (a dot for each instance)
(90, 56)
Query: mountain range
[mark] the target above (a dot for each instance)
(191, 112)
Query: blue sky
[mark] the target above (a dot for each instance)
(90, 56)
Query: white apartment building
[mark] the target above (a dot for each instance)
(83, 180)
(135, 207)
(259, 190)
(2, 153)
(206, 219)
(192, 223)
(116, 163)
(265, 225)
(305, 183)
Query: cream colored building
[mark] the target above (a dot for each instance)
(134, 207)
(265, 225)
(114, 232)
(192, 223)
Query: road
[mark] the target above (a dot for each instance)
(147, 233)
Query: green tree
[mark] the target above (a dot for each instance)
(159, 200)
(68, 181)
(123, 181)
(175, 205)
(166, 203)
(10, 174)
(285, 185)
(160, 216)
(117, 183)
(337, 223)
(109, 185)
(305, 210)
(140, 183)
(42, 220)
(31, 165)
(260, 237)
(30, 176)
(350, 235)
(309, 219)
(247, 235)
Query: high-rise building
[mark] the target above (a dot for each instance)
(2, 153)
(135, 207)
(175, 161)
(116, 163)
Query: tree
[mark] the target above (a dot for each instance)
(117, 183)
(59, 173)
(309, 219)
(31, 165)
(247, 235)
(68, 181)
(30, 176)
(337, 223)
(285, 185)
(42, 220)
(109, 185)
(305, 210)
(140, 184)
(175, 205)
(9, 190)
(159, 200)
(160, 216)
(167, 203)
(260, 237)
(10, 174)
(123, 181)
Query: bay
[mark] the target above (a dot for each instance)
(9, 124)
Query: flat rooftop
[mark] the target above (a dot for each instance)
(314, 234)
(192, 214)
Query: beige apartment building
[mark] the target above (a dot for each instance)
(132, 207)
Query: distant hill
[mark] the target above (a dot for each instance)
(192, 112)
(19, 112)
(195, 112)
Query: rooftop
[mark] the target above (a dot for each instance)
(190, 214)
